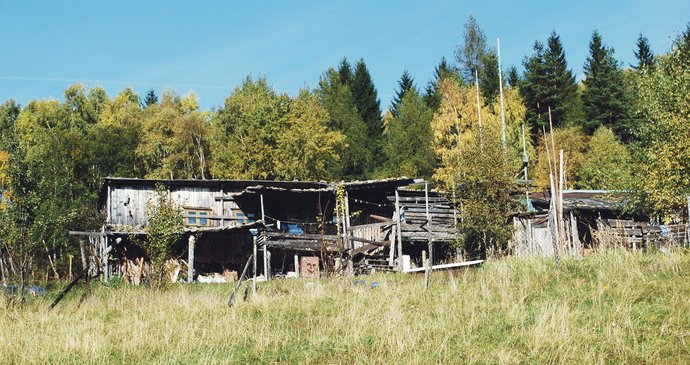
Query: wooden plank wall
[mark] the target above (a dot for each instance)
(128, 203)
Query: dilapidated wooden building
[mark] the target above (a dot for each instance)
(349, 226)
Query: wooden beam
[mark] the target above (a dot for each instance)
(190, 258)
(254, 252)
(380, 218)
(87, 233)
(378, 243)
(399, 230)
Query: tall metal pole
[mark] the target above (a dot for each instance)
(500, 86)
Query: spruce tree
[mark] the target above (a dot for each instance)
(643, 53)
(345, 71)
(488, 77)
(408, 139)
(469, 53)
(561, 85)
(533, 89)
(404, 85)
(432, 96)
(150, 99)
(366, 99)
(548, 83)
(605, 100)
(513, 78)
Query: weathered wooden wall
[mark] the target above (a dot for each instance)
(127, 205)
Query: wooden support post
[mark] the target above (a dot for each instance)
(69, 272)
(559, 211)
(190, 258)
(391, 248)
(222, 207)
(687, 225)
(297, 265)
(399, 230)
(109, 204)
(263, 213)
(431, 240)
(82, 250)
(267, 273)
(254, 252)
(427, 268)
(347, 242)
(347, 209)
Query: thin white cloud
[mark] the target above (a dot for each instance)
(112, 82)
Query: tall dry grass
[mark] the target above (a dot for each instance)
(610, 307)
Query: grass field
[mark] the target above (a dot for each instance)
(615, 307)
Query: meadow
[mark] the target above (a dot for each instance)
(612, 307)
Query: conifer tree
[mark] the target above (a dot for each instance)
(432, 95)
(336, 97)
(345, 71)
(605, 100)
(408, 142)
(548, 83)
(513, 78)
(561, 86)
(150, 99)
(469, 53)
(643, 53)
(405, 84)
(533, 88)
(488, 77)
(366, 99)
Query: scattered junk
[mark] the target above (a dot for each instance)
(33, 290)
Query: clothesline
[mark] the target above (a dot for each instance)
(380, 205)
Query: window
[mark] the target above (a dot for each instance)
(197, 217)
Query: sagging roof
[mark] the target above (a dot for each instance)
(584, 200)
(256, 185)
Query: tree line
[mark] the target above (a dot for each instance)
(622, 128)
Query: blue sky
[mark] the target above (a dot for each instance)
(209, 47)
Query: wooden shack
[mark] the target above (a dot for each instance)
(590, 216)
(288, 220)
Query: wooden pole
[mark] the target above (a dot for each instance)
(688, 222)
(69, 272)
(399, 230)
(552, 203)
(222, 206)
(561, 222)
(346, 229)
(267, 274)
(479, 112)
(391, 250)
(254, 252)
(263, 214)
(525, 160)
(427, 268)
(239, 281)
(431, 241)
(553, 142)
(297, 265)
(500, 87)
(190, 258)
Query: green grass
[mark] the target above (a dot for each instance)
(615, 307)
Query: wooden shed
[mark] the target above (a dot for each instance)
(287, 219)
